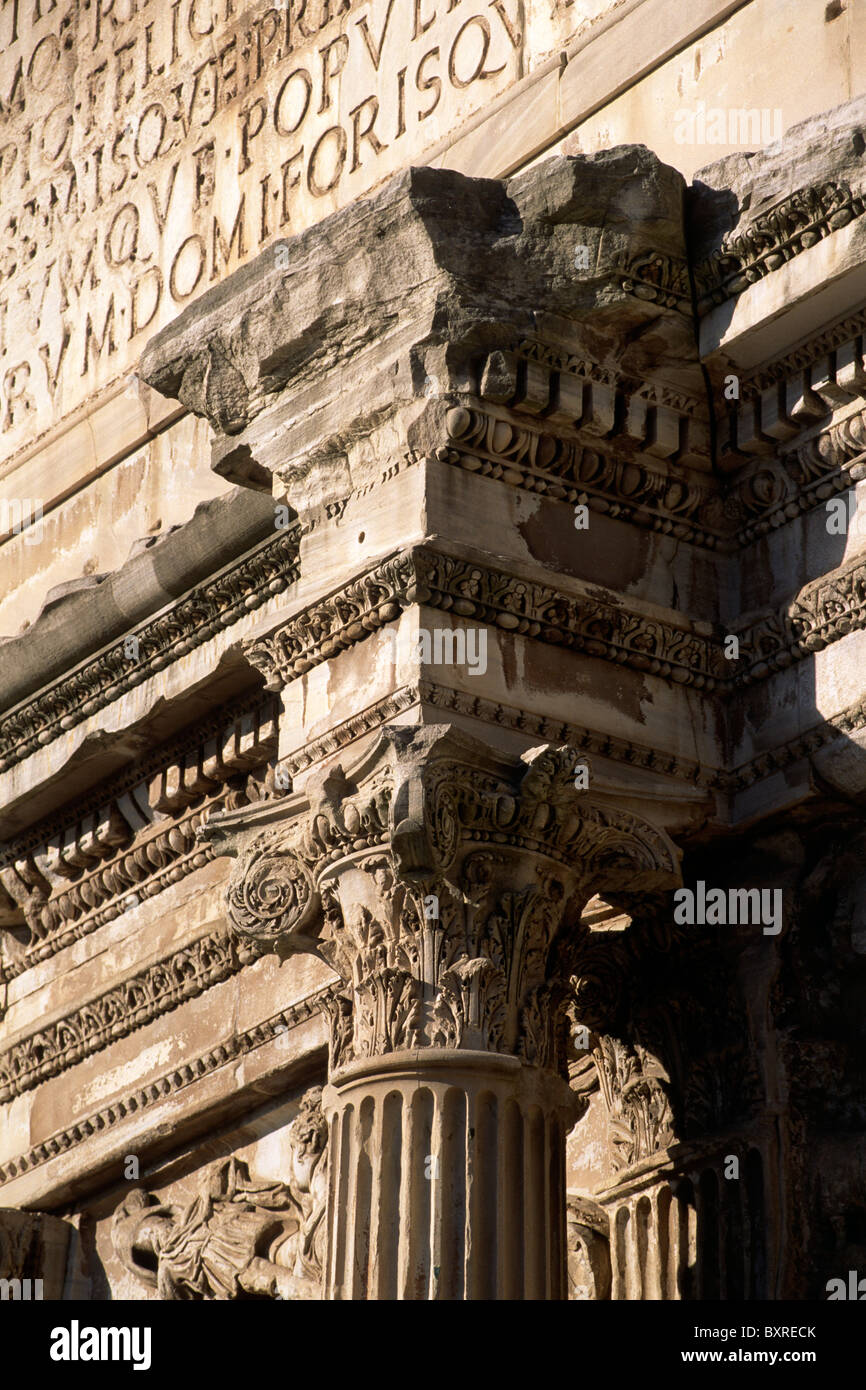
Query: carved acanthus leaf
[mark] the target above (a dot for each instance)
(449, 884)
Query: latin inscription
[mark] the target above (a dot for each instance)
(148, 147)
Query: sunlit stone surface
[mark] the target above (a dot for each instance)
(433, 591)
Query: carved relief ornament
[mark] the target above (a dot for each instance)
(237, 1237)
(443, 883)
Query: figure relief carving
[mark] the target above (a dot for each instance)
(588, 1250)
(237, 1238)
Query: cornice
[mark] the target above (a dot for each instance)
(200, 614)
(632, 754)
(92, 865)
(779, 490)
(772, 238)
(176, 846)
(667, 495)
(117, 1012)
(170, 1083)
(625, 751)
(822, 613)
(659, 279)
(799, 429)
(505, 716)
(171, 752)
(585, 622)
(746, 255)
(847, 721)
(556, 358)
(843, 331)
(624, 469)
(346, 732)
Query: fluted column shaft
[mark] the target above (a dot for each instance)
(444, 882)
(447, 1178)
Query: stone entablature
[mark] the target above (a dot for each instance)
(592, 417)
(105, 678)
(93, 864)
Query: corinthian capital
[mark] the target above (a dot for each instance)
(444, 883)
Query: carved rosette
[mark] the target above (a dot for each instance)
(449, 882)
(270, 893)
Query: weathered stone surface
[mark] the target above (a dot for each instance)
(164, 152)
(80, 617)
(412, 290)
(735, 194)
(433, 834)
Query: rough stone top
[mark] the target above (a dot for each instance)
(436, 259)
(825, 153)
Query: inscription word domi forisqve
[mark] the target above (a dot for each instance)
(191, 134)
